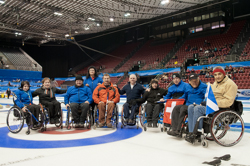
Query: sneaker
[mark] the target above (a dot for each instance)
(52, 121)
(101, 124)
(109, 125)
(173, 133)
(155, 125)
(130, 121)
(81, 125)
(190, 138)
(149, 124)
(77, 125)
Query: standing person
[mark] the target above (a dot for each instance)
(47, 97)
(153, 109)
(8, 92)
(106, 94)
(78, 97)
(133, 91)
(25, 101)
(92, 81)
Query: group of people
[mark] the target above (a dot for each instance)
(101, 92)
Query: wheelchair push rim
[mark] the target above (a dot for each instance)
(15, 120)
(227, 128)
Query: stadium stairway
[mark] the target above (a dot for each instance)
(129, 56)
(242, 40)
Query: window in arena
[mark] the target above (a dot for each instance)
(222, 24)
(158, 36)
(192, 30)
(157, 28)
(170, 25)
(215, 14)
(199, 28)
(215, 25)
(205, 16)
(178, 33)
(207, 26)
(189, 20)
(176, 24)
(198, 18)
(183, 22)
(221, 13)
(163, 27)
(170, 34)
(165, 35)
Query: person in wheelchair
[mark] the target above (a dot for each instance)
(152, 97)
(47, 97)
(194, 93)
(79, 97)
(133, 91)
(106, 94)
(177, 90)
(25, 101)
(225, 91)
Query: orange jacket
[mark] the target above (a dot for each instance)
(100, 94)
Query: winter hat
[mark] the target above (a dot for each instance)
(176, 75)
(78, 77)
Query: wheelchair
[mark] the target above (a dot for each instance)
(46, 117)
(137, 117)
(144, 117)
(225, 127)
(114, 118)
(16, 117)
(70, 120)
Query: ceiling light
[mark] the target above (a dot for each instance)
(127, 14)
(67, 35)
(87, 28)
(111, 19)
(2, 2)
(164, 2)
(91, 18)
(76, 32)
(98, 24)
(56, 13)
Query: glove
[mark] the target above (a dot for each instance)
(133, 102)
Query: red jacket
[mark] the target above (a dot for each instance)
(101, 93)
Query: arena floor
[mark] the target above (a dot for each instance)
(128, 146)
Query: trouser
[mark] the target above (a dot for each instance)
(8, 95)
(153, 111)
(126, 108)
(194, 112)
(54, 108)
(177, 116)
(34, 109)
(102, 110)
(84, 107)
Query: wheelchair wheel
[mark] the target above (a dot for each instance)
(227, 128)
(15, 120)
(116, 116)
(142, 116)
(60, 119)
(89, 120)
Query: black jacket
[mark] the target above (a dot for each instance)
(47, 94)
(153, 96)
(134, 93)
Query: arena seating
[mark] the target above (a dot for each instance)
(124, 82)
(217, 41)
(148, 55)
(247, 51)
(109, 63)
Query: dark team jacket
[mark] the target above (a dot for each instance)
(153, 96)
(47, 94)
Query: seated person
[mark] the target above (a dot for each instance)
(153, 109)
(25, 101)
(194, 93)
(133, 91)
(106, 94)
(79, 97)
(207, 75)
(224, 90)
(241, 70)
(47, 97)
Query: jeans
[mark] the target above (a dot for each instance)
(126, 108)
(194, 112)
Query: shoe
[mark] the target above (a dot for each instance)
(57, 120)
(166, 125)
(77, 125)
(109, 125)
(81, 125)
(149, 124)
(52, 121)
(126, 121)
(101, 124)
(155, 125)
(130, 121)
(173, 133)
(190, 138)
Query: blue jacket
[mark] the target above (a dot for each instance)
(23, 97)
(195, 95)
(92, 83)
(78, 95)
(134, 93)
(177, 89)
